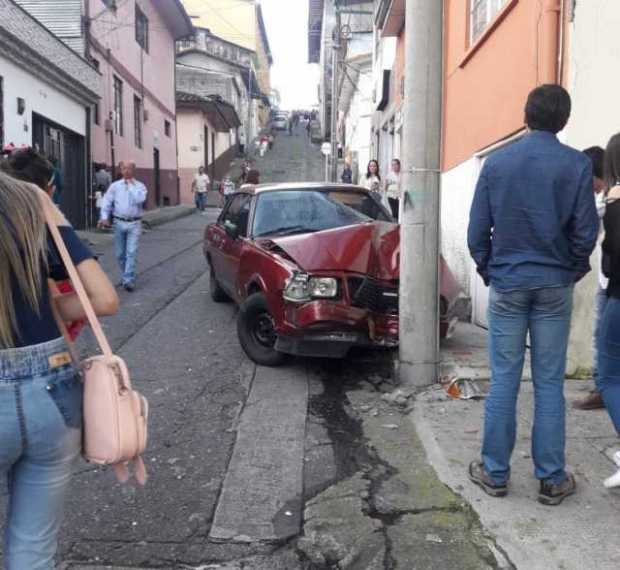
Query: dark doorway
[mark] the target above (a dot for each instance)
(212, 156)
(205, 160)
(156, 174)
(67, 151)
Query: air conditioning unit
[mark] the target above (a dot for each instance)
(145, 115)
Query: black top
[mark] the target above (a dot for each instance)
(611, 248)
(33, 328)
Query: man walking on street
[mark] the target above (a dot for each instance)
(533, 225)
(124, 203)
(200, 185)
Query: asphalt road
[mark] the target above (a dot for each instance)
(184, 356)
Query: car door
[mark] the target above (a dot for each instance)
(235, 226)
(216, 238)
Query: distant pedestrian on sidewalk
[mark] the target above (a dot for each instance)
(124, 204)
(252, 178)
(372, 180)
(200, 186)
(41, 396)
(594, 400)
(392, 187)
(102, 182)
(347, 173)
(533, 225)
(609, 331)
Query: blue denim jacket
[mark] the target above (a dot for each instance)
(533, 220)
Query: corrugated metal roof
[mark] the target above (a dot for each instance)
(61, 17)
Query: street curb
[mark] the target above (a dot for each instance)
(163, 215)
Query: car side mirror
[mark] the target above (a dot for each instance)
(231, 229)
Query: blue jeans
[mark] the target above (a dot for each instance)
(126, 238)
(600, 302)
(546, 314)
(609, 360)
(40, 439)
(201, 200)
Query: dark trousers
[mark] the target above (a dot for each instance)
(394, 207)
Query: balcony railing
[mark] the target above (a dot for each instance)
(216, 47)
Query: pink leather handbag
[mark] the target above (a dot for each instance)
(114, 415)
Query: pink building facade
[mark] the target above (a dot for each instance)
(132, 44)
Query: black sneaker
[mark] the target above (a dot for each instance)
(129, 287)
(551, 494)
(480, 477)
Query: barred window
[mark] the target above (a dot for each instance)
(137, 120)
(481, 14)
(118, 106)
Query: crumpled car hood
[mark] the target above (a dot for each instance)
(371, 248)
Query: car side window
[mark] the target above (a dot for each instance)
(238, 213)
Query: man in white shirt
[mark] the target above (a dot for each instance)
(124, 203)
(200, 185)
(392, 187)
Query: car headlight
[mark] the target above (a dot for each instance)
(301, 288)
(323, 287)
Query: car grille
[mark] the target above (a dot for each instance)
(370, 294)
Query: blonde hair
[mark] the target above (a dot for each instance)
(23, 244)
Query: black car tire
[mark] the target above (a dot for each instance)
(215, 289)
(253, 329)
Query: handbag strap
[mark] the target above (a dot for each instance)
(95, 325)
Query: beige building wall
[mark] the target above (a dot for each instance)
(232, 20)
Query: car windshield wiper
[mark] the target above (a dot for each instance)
(286, 231)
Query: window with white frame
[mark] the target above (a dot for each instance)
(481, 14)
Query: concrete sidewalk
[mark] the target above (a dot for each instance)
(575, 535)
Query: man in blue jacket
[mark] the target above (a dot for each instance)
(533, 225)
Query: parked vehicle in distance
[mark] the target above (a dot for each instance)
(280, 123)
(314, 268)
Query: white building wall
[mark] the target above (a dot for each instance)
(457, 193)
(594, 86)
(359, 124)
(40, 98)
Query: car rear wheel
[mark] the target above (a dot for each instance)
(256, 331)
(217, 293)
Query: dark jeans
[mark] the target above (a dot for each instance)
(545, 314)
(201, 200)
(608, 360)
(394, 207)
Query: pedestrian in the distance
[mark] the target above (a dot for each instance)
(252, 178)
(533, 225)
(103, 179)
(124, 204)
(594, 400)
(609, 332)
(372, 180)
(41, 399)
(392, 187)
(347, 174)
(200, 186)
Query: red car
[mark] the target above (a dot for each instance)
(314, 268)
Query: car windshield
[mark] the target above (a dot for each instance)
(299, 211)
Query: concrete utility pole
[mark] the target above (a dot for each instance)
(334, 115)
(419, 242)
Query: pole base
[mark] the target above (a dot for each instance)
(417, 375)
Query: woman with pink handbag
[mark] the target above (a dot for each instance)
(40, 389)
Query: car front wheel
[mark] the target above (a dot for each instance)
(256, 331)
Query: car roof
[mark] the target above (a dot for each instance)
(284, 186)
